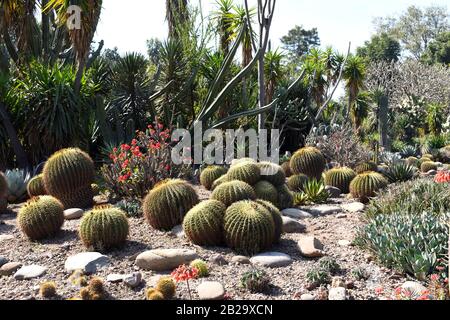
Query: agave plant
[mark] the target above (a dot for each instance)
(400, 172)
(389, 158)
(409, 151)
(314, 192)
(17, 184)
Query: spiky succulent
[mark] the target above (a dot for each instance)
(211, 174)
(246, 172)
(47, 290)
(203, 224)
(309, 161)
(201, 266)
(287, 169)
(409, 151)
(103, 228)
(167, 287)
(68, 176)
(266, 191)
(17, 181)
(219, 181)
(366, 185)
(233, 191)
(316, 192)
(428, 166)
(272, 173)
(366, 167)
(297, 182)
(167, 204)
(400, 172)
(285, 198)
(340, 178)
(36, 186)
(248, 227)
(41, 217)
(153, 294)
(255, 281)
(277, 218)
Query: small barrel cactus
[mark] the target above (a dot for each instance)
(309, 161)
(219, 181)
(103, 228)
(340, 178)
(266, 191)
(428, 166)
(203, 224)
(248, 228)
(68, 176)
(36, 186)
(246, 172)
(153, 294)
(201, 266)
(3, 185)
(366, 166)
(277, 218)
(167, 287)
(237, 162)
(167, 204)
(41, 217)
(428, 156)
(287, 169)
(297, 182)
(211, 174)
(272, 173)
(233, 191)
(285, 198)
(366, 185)
(413, 161)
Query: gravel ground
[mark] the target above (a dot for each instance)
(287, 283)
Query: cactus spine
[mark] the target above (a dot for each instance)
(266, 191)
(366, 167)
(428, 166)
(297, 182)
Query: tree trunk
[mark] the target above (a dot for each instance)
(262, 92)
(21, 156)
(383, 127)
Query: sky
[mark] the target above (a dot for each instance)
(128, 26)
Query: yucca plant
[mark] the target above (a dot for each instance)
(400, 172)
(314, 192)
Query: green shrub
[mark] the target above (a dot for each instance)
(255, 281)
(314, 192)
(318, 277)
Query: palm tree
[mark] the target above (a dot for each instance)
(274, 71)
(176, 15)
(316, 70)
(239, 20)
(354, 75)
(224, 23)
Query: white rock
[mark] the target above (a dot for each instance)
(272, 260)
(29, 272)
(337, 294)
(344, 243)
(323, 210)
(307, 297)
(416, 289)
(296, 214)
(73, 214)
(211, 291)
(292, 226)
(115, 278)
(6, 237)
(133, 280)
(311, 247)
(88, 262)
(165, 259)
(353, 207)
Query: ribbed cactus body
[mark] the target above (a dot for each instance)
(233, 191)
(340, 178)
(203, 224)
(245, 172)
(276, 216)
(36, 186)
(248, 228)
(41, 217)
(367, 184)
(266, 191)
(287, 169)
(219, 181)
(68, 176)
(104, 228)
(413, 161)
(285, 198)
(167, 204)
(309, 161)
(3, 185)
(272, 173)
(297, 182)
(211, 174)
(428, 166)
(366, 167)
(237, 162)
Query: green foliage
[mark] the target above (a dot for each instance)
(277, 218)
(36, 187)
(318, 277)
(248, 228)
(255, 281)
(266, 191)
(382, 47)
(41, 217)
(233, 191)
(132, 207)
(400, 172)
(203, 224)
(285, 198)
(104, 228)
(167, 204)
(330, 265)
(366, 166)
(299, 41)
(167, 287)
(272, 173)
(439, 50)
(340, 178)
(308, 161)
(314, 192)
(408, 151)
(201, 266)
(68, 175)
(297, 182)
(366, 185)
(428, 166)
(436, 119)
(246, 172)
(210, 175)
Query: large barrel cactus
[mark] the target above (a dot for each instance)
(277, 218)
(309, 161)
(41, 217)
(36, 186)
(68, 176)
(211, 174)
(287, 169)
(248, 228)
(285, 198)
(233, 191)
(203, 224)
(266, 191)
(219, 181)
(366, 167)
(428, 166)
(340, 178)
(103, 228)
(297, 182)
(366, 185)
(167, 204)
(246, 172)
(272, 173)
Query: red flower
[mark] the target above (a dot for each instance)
(134, 142)
(125, 147)
(184, 273)
(434, 277)
(379, 290)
